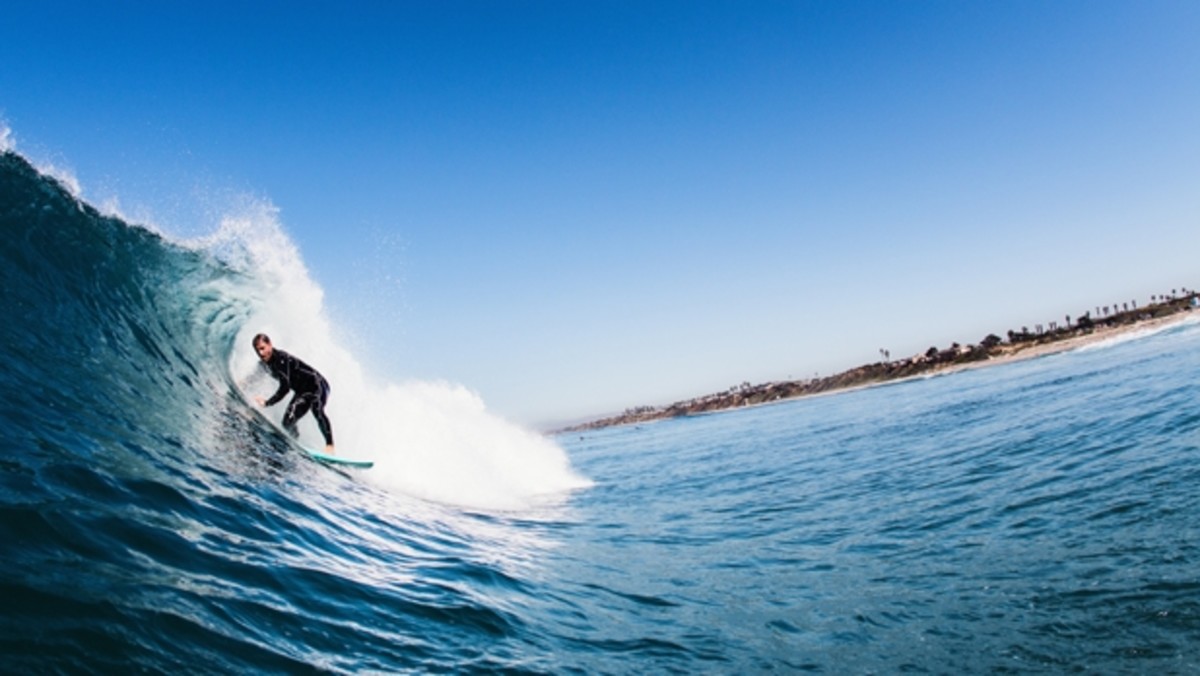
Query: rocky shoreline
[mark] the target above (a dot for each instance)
(991, 350)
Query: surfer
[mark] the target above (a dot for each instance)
(311, 388)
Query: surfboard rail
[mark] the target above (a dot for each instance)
(337, 459)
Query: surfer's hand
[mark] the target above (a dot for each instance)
(260, 401)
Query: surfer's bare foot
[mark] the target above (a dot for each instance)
(329, 450)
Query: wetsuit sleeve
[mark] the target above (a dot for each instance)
(283, 385)
(279, 394)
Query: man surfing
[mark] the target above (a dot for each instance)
(311, 388)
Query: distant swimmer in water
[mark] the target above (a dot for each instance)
(311, 388)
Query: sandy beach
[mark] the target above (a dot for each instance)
(1099, 335)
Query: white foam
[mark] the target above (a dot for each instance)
(7, 144)
(1138, 334)
(65, 177)
(432, 440)
(111, 206)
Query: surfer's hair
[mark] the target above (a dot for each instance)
(261, 338)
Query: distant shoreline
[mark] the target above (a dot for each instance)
(991, 351)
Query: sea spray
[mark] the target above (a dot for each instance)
(434, 440)
(437, 440)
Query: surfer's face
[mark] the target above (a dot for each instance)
(264, 350)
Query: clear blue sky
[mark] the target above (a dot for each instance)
(574, 207)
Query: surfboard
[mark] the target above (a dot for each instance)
(337, 459)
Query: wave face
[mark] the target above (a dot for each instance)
(116, 341)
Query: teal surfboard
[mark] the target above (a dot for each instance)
(337, 459)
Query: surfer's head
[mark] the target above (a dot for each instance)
(262, 345)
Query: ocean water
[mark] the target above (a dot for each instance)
(1036, 517)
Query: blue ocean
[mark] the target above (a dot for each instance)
(1034, 517)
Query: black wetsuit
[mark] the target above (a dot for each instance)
(312, 391)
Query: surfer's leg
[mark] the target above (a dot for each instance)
(296, 409)
(318, 409)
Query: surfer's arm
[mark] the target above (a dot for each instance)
(279, 394)
(281, 372)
